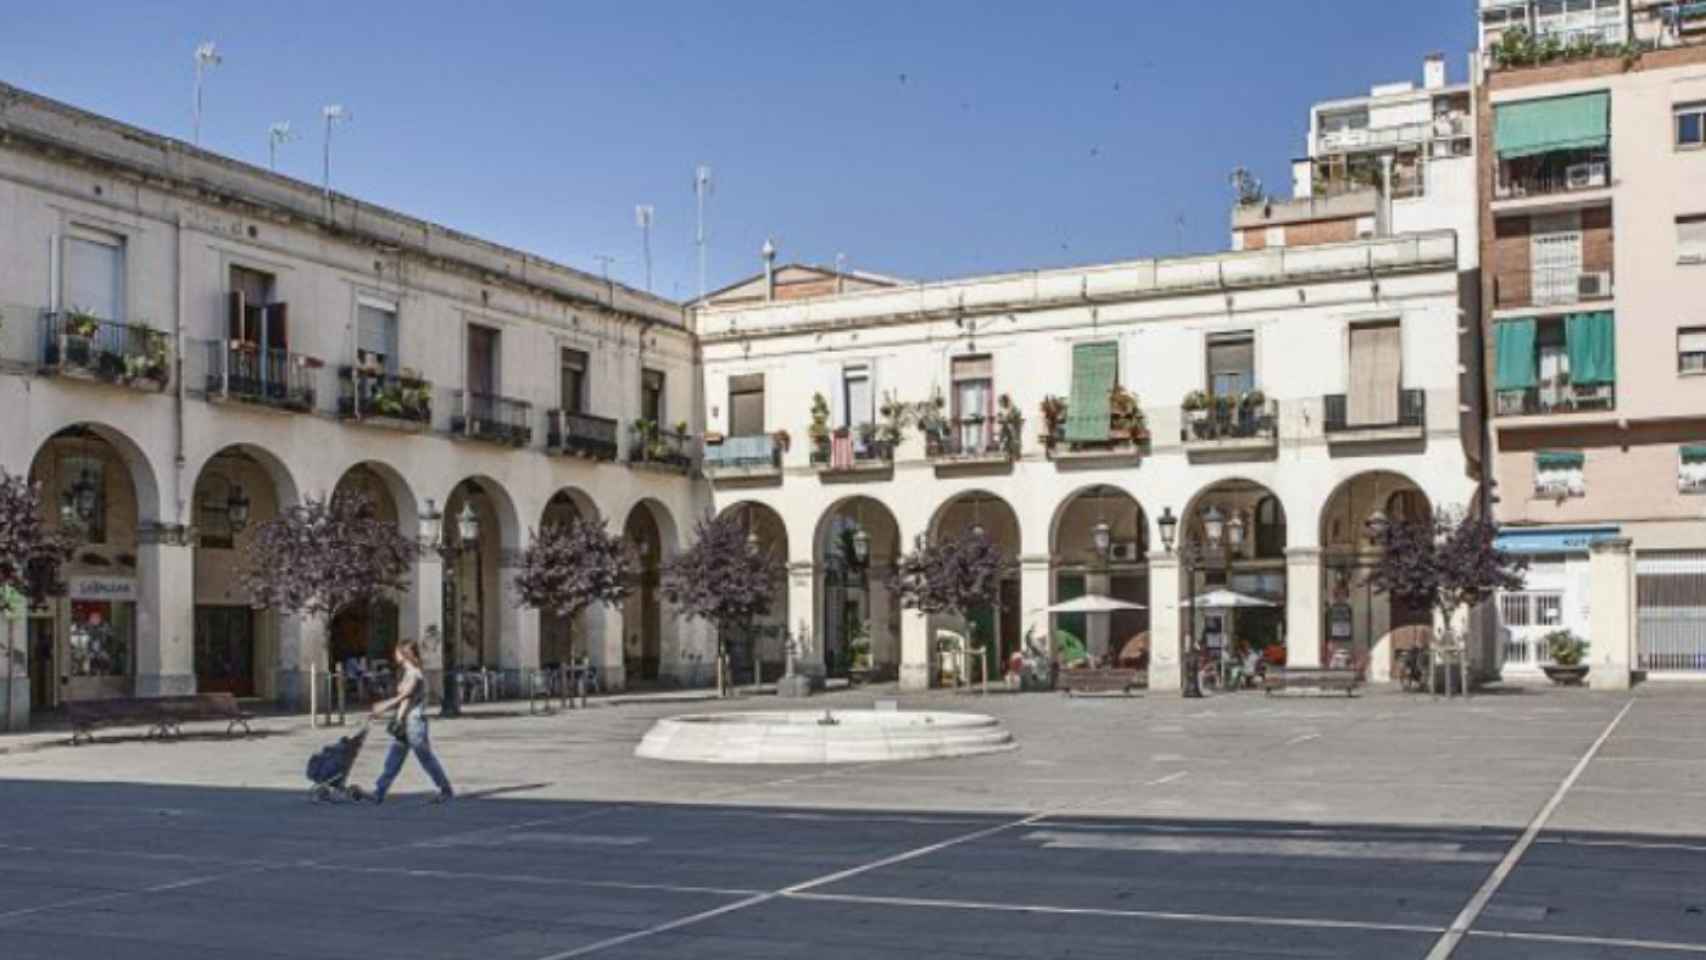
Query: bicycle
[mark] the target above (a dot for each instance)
(1412, 674)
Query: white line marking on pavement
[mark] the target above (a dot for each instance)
(1169, 778)
(1459, 928)
(1253, 921)
(1294, 741)
(1409, 851)
(797, 888)
(1662, 945)
(530, 879)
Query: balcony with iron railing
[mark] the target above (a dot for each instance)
(1230, 425)
(1550, 287)
(652, 447)
(845, 453)
(1448, 127)
(491, 418)
(83, 346)
(1407, 420)
(400, 402)
(580, 435)
(970, 440)
(249, 373)
(1557, 397)
(749, 457)
(1553, 174)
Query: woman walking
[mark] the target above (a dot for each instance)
(409, 729)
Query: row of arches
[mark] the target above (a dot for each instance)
(108, 636)
(1100, 541)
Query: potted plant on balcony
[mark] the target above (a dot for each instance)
(932, 419)
(1053, 409)
(1126, 422)
(895, 416)
(819, 429)
(1010, 425)
(782, 439)
(1566, 650)
(1252, 411)
(81, 324)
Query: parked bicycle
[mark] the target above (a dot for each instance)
(1412, 669)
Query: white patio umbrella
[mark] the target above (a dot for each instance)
(1093, 603)
(1224, 599)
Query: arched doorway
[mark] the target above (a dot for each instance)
(1099, 544)
(765, 650)
(561, 640)
(1232, 536)
(855, 547)
(236, 646)
(998, 625)
(1364, 627)
(89, 644)
(369, 632)
(650, 529)
(475, 613)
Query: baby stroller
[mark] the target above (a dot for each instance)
(329, 769)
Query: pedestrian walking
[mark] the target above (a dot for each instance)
(408, 727)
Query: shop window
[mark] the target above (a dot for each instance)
(100, 639)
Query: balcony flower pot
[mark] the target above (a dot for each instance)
(1571, 676)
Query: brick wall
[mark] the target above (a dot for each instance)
(1510, 253)
(1319, 232)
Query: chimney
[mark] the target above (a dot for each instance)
(769, 254)
(1433, 72)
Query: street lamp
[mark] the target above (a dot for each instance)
(77, 506)
(1192, 555)
(1375, 525)
(432, 529)
(861, 546)
(1169, 525)
(237, 509)
(1102, 536)
(467, 534)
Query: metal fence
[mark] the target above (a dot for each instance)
(1527, 616)
(1670, 605)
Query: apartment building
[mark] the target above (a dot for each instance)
(191, 344)
(1593, 235)
(1258, 408)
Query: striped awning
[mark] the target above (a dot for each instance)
(1531, 127)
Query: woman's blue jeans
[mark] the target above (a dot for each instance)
(416, 728)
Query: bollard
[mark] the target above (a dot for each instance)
(337, 697)
(562, 686)
(313, 693)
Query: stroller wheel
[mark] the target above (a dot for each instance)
(319, 793)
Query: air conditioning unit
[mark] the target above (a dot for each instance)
(1552, 489)
(1124, 551)
(1509, 403)
(1583, 176)
(1594, 284)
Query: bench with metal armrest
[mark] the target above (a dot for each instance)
(163, 716)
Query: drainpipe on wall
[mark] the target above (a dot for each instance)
(178, 395)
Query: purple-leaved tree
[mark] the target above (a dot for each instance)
(1445, 563)
(571, 566)
(31, 552)
(721, 579)
(950, 575)
(326, 555)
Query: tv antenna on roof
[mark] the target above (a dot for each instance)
(276, 134)
(205, 56)
(644, 214)
(702, 187)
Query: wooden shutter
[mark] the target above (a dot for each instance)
(278, 327)
(234, 316)
(1375, 373)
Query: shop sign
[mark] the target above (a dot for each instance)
(111, 589)
(1339, 621)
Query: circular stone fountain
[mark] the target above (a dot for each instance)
(820, 736)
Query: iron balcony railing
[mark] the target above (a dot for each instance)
(1231, 421)
(131, 354)
(752, 452)
(367, 394)
(966, 437)
(276, 378)
(1552, 173)
(487, 416)
(653, 446)
(581, 434)
(865, 453)
(1563, 397)
(1412, 412)
(1551, 286)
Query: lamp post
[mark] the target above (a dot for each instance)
(237, 509)
(1216, 529)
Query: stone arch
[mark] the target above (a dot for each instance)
(486, 630)
(370, 632)
(1000, 626)
(144, 478)
(560, 639)
(236, 489)
(570, 501)
(1368, 627)
(1243, 564)
(849, 593)
(1077, 567)
(766, 650)
(646, 631)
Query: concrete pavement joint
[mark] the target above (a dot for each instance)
(1460, 927)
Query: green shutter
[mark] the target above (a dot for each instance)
(1095, 371)
(1513, 345)
(1591, 339)
(1581, 122)
(1559, 460)
(1694, 453)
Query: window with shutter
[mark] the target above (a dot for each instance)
(376, 337)
(1375, 374)
(974, 401)
(1691, 350)
(858, 397)
(483, 345)
(573, 383)
(94, 274)
(746, 405)
(1231, 364)
(1691, 238)
(651, 396)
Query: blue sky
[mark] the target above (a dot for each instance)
(920, 139)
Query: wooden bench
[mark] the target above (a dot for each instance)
(1100, 680)
(163, 716)
(1311, 678)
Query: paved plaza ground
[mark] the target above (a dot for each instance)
(1531, 823)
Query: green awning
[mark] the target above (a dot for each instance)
(1513, 347)
(1591, 339)
(1559, 460)
(1095, 371)
(1694, 453)
(1581, 122)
